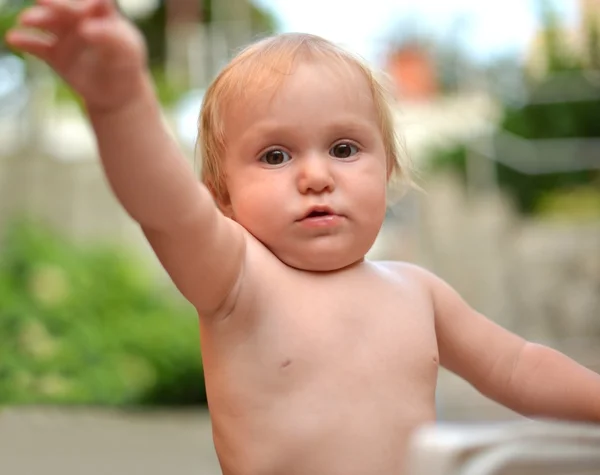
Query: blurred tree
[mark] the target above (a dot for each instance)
(9, 10)
(154, 27)
(593, 39)
(558, 56)
(564, 104)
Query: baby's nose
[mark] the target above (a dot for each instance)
(316, 175)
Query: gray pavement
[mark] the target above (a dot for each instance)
(75, 442)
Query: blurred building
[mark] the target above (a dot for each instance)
(413, 72)
(428, 116)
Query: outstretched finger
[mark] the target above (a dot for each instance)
(32, 42)
(48, 19)
(78, 8)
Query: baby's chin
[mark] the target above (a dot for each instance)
(322, 263)
(321, 256)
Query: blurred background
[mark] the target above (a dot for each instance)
(499, 108)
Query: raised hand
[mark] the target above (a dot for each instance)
(97, 51)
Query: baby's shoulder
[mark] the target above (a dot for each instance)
(412, 274)
(406, 270)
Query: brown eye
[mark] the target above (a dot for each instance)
(343, 150)
(275, 157)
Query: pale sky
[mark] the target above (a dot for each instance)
(492, 27)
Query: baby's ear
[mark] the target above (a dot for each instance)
(227, 210)
(223, 202)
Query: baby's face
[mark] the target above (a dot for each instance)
(306, 168)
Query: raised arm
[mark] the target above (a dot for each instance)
(528, 378)
(102, 57)
(200, 249)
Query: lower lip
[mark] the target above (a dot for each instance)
(322, 221)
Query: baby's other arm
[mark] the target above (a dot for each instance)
(529, 378)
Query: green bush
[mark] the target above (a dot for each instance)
(86, 325)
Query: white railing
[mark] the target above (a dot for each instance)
(537, 156)
(530, 447)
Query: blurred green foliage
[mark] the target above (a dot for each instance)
(154, 30)
(86, 325)
(537, 121)
(576, 204)
(545, 117)
(152, 27)
(9, 12)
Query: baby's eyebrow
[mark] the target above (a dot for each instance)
(351, 125)
(264, 133)
(271, 128)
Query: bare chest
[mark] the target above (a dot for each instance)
(327, 367)
(343, 331)
(370, 331)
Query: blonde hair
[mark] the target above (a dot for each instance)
(263, 66)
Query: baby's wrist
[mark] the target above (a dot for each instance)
(139, 91)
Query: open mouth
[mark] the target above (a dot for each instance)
(317, 214)
(320, 214)
(320, 217)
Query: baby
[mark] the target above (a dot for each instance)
(317, 361)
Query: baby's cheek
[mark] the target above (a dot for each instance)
(250, 211)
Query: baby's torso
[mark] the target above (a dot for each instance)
(323, 374)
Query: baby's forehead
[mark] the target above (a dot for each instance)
(273, 84)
